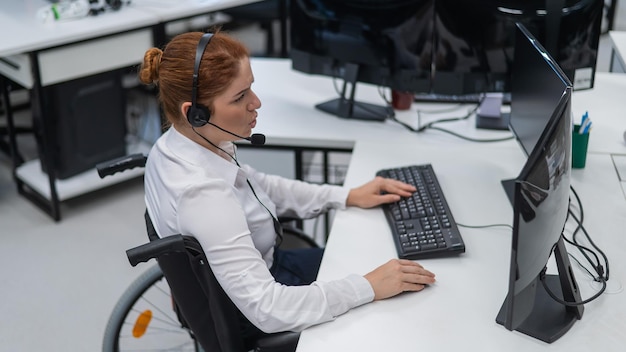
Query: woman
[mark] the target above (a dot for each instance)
(196, 186)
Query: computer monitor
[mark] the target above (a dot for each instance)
(475, 41)
(382, 42)
(540, 197)
(441, 50)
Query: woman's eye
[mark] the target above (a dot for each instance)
(240, 97)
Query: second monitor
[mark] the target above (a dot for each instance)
(442, 50)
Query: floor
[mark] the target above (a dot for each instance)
(60, 281)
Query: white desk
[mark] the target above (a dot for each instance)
(288, 116)
(171, 10)
(37, 55)
(21, 32)
(459, 311)
(618, 48)
(607, 109)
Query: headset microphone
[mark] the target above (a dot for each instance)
(256, 138)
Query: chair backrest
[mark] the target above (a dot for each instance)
(203, 304)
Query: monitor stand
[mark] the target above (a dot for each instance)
(549, 319)
(509, 189)
(347, 107)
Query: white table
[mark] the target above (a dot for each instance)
(170, 10)
(37, 55)
(458, 312)
(618, 47)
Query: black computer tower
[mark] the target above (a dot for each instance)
(87, 117)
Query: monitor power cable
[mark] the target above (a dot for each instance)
(431, 125)
(602, 273)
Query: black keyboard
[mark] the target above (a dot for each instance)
(422, 225)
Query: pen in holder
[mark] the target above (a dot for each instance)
(580, 142)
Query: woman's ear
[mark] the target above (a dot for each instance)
(184, 108)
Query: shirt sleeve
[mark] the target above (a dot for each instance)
(220, 227)
(300, 199)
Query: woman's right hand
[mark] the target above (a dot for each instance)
(397, 276)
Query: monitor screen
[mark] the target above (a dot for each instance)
(442, 50)
(541, 201)
(382, 42)
(475, 41)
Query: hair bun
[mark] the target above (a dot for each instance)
(149, 72)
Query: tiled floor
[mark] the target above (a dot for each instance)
(59, 281)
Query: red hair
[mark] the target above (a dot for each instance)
(171, 69)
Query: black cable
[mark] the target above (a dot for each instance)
(430, 125)
(278, 228)
(472, 139)
(542, 277)
(601, 271)
(211, 143)
(484, 226)
(422, 128)
(581, 265)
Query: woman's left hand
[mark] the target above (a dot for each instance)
(378, 191)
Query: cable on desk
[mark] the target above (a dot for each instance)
(472, 139)
(603, 274)
(484, 226)
(431, 125)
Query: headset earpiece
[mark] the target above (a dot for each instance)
(198, 115)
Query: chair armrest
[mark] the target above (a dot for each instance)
(279, 342)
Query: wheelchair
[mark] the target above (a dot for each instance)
(177, 304)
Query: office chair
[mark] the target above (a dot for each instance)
(201, 304)
(265, 13)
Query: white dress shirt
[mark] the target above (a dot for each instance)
(192, 191)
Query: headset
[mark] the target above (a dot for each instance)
(198, 115)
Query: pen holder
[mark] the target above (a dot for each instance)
(579, 148)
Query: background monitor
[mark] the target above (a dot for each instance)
(382, 42)
(441, 50)
(541, 200)
(475, 41)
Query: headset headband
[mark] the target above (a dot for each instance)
(202, 44)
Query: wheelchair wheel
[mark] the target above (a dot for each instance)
(144, 319)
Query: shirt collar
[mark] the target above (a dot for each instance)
(195, 154)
